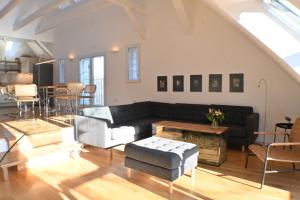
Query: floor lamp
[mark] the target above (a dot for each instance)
(260, 84)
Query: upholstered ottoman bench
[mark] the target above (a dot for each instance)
(163, 158)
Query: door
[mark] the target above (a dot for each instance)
(92, 73)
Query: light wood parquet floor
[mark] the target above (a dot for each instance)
(94, 176)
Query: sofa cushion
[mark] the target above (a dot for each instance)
(163, 110)
(165, 153)
(235, 115)
(191, 112)
(122, 132)
(142, 110)
(142, 125)
(236, 130)
(123, 113)
(102, 112)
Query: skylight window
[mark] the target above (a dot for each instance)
(65, 5)
(292, 5)
(69, 3)
(274, 23)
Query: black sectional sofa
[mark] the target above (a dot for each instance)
(113, 125)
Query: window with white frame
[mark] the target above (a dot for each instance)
(133, 63)
(61, 71)
(292, 5)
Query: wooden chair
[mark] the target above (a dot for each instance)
(75, 91)
(3, 92)
(88, 93)
(62, 94)
(26, 94)
(276, 151)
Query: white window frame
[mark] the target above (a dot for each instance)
(61, 78)
(138, 46)
(292, 5)
(91, 56)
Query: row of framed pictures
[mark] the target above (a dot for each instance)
(215, 83)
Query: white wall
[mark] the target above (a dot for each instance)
(214, 47)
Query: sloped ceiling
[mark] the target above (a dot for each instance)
(270, 28)
(22, 48)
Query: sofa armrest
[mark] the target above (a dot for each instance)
(252, 125)
(92, 131)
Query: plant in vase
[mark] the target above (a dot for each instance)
(215, 117)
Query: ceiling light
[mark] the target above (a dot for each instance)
(44, 62)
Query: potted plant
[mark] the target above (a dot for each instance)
(215, 117)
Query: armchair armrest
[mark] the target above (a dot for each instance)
(270, 133)
(285, 144)
(92, 131)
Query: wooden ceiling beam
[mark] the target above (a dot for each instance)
(184, 12)
(8, 7)
(60, 17)
(139, 28)
(44, 48)
(133, 6)
(38, 13)
(130, 8)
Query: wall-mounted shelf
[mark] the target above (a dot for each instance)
(10, 66)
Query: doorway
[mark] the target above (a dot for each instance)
(92, 72)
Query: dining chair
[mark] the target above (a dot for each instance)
(88, 93)
(276, 152)
(4, 93)
(75, 93)
(10, 89)
(24, 94)
(62, 95)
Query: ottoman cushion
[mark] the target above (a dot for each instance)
(165, 153)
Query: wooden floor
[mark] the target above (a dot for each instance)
(94, 176)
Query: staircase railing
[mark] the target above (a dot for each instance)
(10, 148)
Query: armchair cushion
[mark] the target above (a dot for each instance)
(276, 154)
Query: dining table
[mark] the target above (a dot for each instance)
(46, 92)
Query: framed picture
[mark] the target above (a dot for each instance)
(162, 83)
(215, 83)
(178, 83)
(236, 82)
(196, 83)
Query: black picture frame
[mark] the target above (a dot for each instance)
(162, 83)
(236, 82)
(215, 83)
(196, 83)
(178, 83)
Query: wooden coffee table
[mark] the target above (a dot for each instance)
(211, 141)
